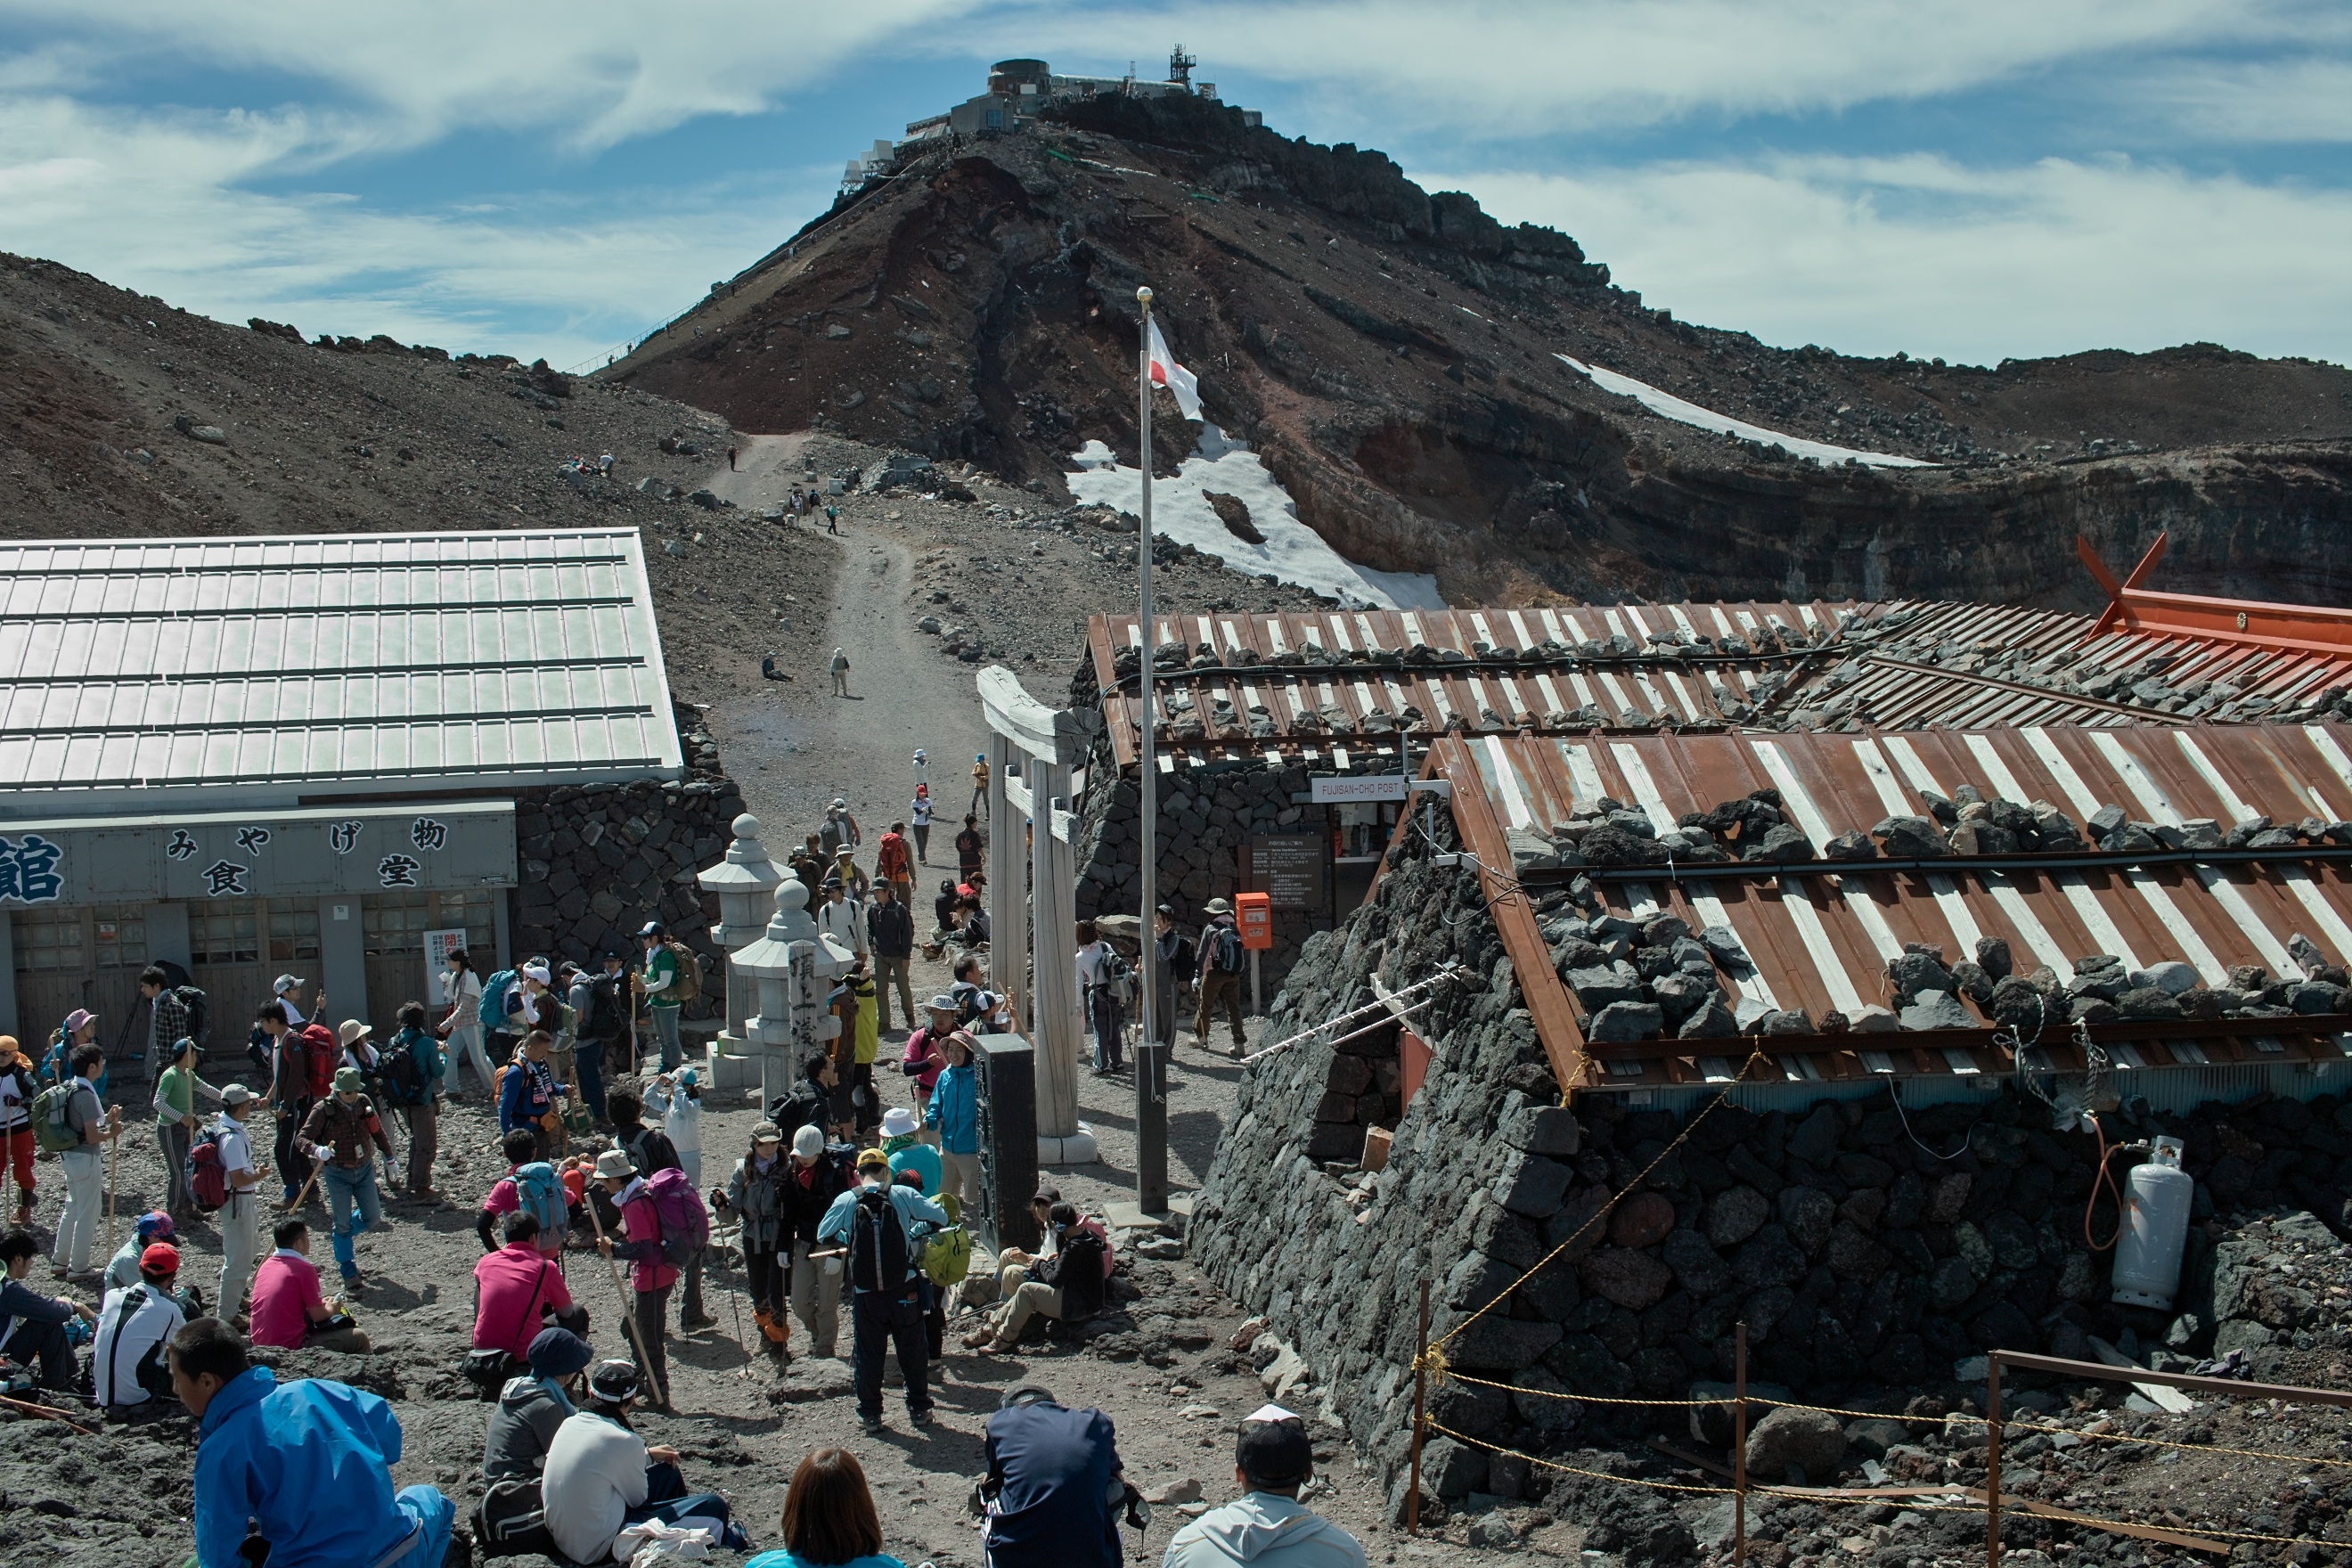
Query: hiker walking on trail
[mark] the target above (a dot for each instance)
(338, 1131)
(875, 1221)
(831, 518)
(461, 993)
(839, 830)
(1222, 960)
(19, 1085)
(968, 847)
(240, 1211)
(1099, 977)
(919, 813)
(412, 1067)
(176, 1125)
(79, 1127)
(892, 863)
(652, 1275)
(842, 918)
(730, 459)
(302, 1065)
(840, 667)
(167, 1020)
(528, 1090)
(657, 982)
(754, 1194)
(979, 784)
(890, 927)
(307, 1465)
(803, 1198)
(954, 1111)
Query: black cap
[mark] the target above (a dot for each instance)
(1273, 1449)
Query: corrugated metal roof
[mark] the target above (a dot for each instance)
(1820, 939)
(291, 666)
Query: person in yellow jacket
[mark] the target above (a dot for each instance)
(854, 1003)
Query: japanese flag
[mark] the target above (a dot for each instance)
(1167, 373)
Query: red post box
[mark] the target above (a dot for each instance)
(1254, 913)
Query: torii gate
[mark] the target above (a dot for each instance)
(1030, 750)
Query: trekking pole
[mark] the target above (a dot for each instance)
(113, 1164)
(628, 1315)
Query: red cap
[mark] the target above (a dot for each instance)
(162, 1257)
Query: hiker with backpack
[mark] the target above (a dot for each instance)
(224, 1179)
(1055, 1484)
(514, 1289)
(461, 993)
(305, 1469)
(33, 1326)
(666, 985)
(890, 926)
(1222, 961)
(650, 1153)
(339, 1132)
(127, 1353)
(413, 1066)
(176, 1125)
(1101, 974)
(286, 992)
(527, 1092)
(663, 1226)
(859, 1043)
(364, 1056)
(875, 1221)
(70, 1121)
(923, 1059)
(20, 1086)
(1068, 1284)
(754, 1194)
(531, 1186)
(300, 1057)
(803, 1198)
(978, 1009)
(601, 1000)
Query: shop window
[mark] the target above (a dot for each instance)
(225, 933)
(48, 939)
(293, 933)
(394, 923)
(120, 935)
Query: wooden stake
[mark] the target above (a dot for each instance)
(1419, 1392)
(1992, 1460)
(628, 1306)
(1739, 1444)
(31, 1409)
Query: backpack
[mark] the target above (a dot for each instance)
(947, 1256)
(1118, 978)
(801, 1108)
(498, 999)
(402, 1076)
(878, 1245)
(603, 1011)
(542, 1196)
(511, 1522)
(207, 1178)
(321, 1052)
(51, 1130)
(200, 1012)
(685, 1223)
(1226, 954)
(688, 984)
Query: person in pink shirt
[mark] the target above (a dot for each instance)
(651, 1273)
(288, 1311)
(546, 1202)
(514, 1288)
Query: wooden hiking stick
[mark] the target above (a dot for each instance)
(31, 1409)
(628, 1306)
(113, 1164)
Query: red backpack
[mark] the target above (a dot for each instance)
(207, 1178)
(321, 1054)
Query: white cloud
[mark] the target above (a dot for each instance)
(2307, 100)
(1935, 257)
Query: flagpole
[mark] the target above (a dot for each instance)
(1150, 1055)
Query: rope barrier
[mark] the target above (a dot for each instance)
(1574, 1470)
(1578, 1398)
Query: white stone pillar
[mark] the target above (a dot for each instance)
(794, 968)
(1008, 890)
(1056, 1030)
(745, 882)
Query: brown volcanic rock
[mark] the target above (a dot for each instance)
(1390, 353)
(1234, 513)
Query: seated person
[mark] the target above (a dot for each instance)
(1054, 1485)
(122, 1269)
(542, 1192)
(126, 1362)
(600, 1477)
(515, 1287)
(1068, 1284)
(532, 1406)
(829, 1517)
(307, 1465)
(33, 1326)
(288, 1310)
(1273, 1459)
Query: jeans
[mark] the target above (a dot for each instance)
(879, 1322)
(889, 972)
(346, 1189)
(588, 1056)
(424, 1143)
(665, 1031)
(652, 1322)
(240, 1232)
(172, 1140)
(465, 1044)
(667, 1501)
(816, 1297)
(85, 1171)
(1110, 1029)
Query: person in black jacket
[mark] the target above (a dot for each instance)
(1067, 1284)
(809, 1183)
(891, 930)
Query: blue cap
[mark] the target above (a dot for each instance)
(558, 1353)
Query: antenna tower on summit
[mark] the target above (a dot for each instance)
(1179, 67)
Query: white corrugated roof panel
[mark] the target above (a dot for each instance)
(283, 668)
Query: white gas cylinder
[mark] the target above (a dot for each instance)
(2156, 1225)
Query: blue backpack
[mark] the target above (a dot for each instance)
(543, 1197)
(499, 998)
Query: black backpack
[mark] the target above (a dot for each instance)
(1226, 954)
(511, 1522)
(604, 1021)
(401, 1075)
(878, 1245)
(199, 1013)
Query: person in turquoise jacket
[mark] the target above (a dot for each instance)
(954, 1109)
(309, 1465)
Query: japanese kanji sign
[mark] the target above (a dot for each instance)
(28, 869)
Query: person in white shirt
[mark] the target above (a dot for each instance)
(288, 992)
(461, 993)
(240, 1217)
(1101, 1004)
(679, 1101)
(127, 1363)
(600, 1477)
(842, 917)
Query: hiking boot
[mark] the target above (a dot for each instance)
(697, 1320)
(869, 1422)
(921, 1417)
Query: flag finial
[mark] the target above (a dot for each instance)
(1144, 295)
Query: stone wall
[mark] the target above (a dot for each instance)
(1866, 1254)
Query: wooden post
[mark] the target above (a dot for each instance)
(628, 1305)
(1992, 1460)
(1739, 1444)
(1419, 1391)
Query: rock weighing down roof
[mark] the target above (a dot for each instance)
(297, 667)
(1926, 903)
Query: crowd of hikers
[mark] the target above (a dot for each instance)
(836, 1206)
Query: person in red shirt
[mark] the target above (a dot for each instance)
(893, 864)
(651, 1273)
(287, 1309)
(515, 1287)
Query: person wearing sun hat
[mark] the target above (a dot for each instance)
(127, 1355)
(1274, 1457)
(902, 1143)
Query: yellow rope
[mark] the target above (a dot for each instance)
(1572, 1469)
(1432, 1359)
(1602, 1212)
(1563, 1394)
(2007, 1425)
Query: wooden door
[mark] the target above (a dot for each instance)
(393, 925)
(88, 957)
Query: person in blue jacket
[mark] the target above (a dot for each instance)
(955, 1112)
(308, 1465)
(871, 1222)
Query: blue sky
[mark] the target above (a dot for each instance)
(1980, 180)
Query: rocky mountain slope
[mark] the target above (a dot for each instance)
(1391, 353)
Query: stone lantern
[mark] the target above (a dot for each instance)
(795, 966)
(745, 882)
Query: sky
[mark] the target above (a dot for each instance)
(1966, 179)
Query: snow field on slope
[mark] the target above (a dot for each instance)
(1667, 405)
(1293, 552)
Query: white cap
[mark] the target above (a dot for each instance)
(808, 1142)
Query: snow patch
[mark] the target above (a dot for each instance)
(1667, 405)
(1293, 552)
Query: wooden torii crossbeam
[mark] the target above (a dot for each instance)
(2308, 628)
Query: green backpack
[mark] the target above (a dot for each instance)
(947, 1256)
(52, 1133)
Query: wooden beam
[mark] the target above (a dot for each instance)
(1048, 734)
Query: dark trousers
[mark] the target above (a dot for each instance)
(667, 1499)
(1110, 1029)
(424, 1142)
(652, 1322)
(293, 1165)
(923, 844)
(768, 1279)
(869, 1112)
(172, 1140)
(880, 1321)
(45, 1345)
(588, 1056)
